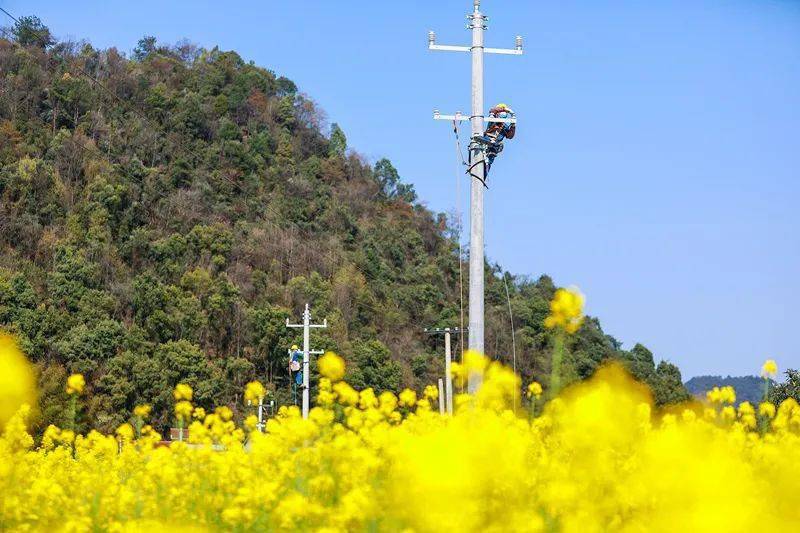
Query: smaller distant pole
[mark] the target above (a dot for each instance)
(448, 373)
(261, 415)
(441, 397)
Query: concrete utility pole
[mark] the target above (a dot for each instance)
(448, 376)
(477, 119)
(307, 351)
(441, 397)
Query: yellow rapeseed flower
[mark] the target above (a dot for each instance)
(346, 394)
(408, 398)
(721, 395)
(199, 413)
(251, 422)
(17, 380)
(767, 409)
(728, 413)
(254, 392)
(769, 369)
(331, 366)
(566, 310)
(142, 411)
(534, 390)
(183, 410)
(182, 392)
(224, 412)
(75, 384)
(431, 392)
(600, 454)
(125, 432)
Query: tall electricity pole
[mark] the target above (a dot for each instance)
(477, 171)
(307, 351)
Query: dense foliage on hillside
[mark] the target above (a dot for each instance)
(748, 388)
(788, 389)
(162, 215)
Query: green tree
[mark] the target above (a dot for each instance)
(145, 47)
(338, 144)
(788, 389)
(29, 31)
(669, 387)
(374, 367)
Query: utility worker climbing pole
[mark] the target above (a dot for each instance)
(296, 370)
(492, 139)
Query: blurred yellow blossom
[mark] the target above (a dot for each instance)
(721, 395)
(251, 422)
(17, 380)
(769, 369)
(534, 390)
(75, 384)
(566, 310)
(254, 392)
(142, 411)
(408, 398)
(125, 432)
(431, 392)
(599, 454)
(767, 409)
(331, 366)
(183, 410)
(182, 392)
(224, 412)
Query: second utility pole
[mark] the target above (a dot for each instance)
(478, 173)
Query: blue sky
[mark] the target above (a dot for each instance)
(657, 158)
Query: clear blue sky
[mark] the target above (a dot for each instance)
(656, 164)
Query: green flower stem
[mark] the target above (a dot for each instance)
(558, 356)
(73, 410)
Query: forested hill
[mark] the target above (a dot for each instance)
(163, 214)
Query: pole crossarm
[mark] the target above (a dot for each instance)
(439, 331)
(504, 51)
(449, 48)
(455, 48)
(463, 118)
(517, 51)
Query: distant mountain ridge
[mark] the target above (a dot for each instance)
(748, 388)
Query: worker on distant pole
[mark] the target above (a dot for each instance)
(296, 370)
(492, 139)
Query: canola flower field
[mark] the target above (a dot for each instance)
(597, 458)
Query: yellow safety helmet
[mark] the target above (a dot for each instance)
(295, 347)
(502, 106)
